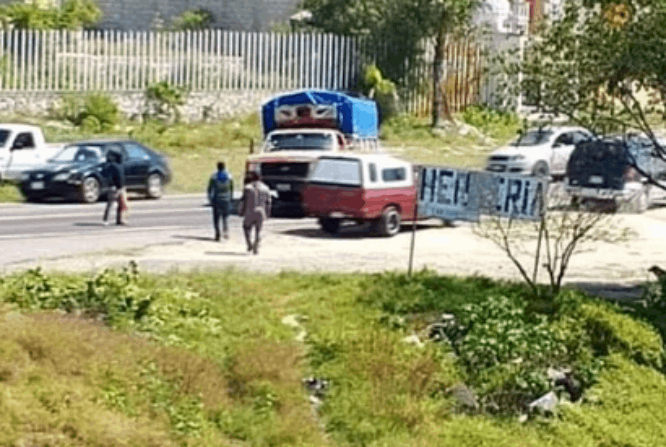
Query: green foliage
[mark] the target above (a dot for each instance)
(382, 90)
(600, 66)
(195, 19)
(9, 192)
(163, 101)
(485, 118)
(394, 29)
(96, 112)
(73, 14)
(505, 343)
(611, 332)
(237, 377)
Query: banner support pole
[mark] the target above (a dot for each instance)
(411, 248)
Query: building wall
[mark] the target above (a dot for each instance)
(208, 106)
(240, 15)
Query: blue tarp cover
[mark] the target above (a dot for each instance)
(355, 116)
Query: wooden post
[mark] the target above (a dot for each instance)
(411, 248)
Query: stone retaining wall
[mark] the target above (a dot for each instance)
(200, 106)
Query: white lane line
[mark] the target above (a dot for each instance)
(98, 213)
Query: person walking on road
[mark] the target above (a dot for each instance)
(116, 180)
(220, 193)
(255, 207)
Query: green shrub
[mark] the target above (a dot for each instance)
(195, 19)
(483, 117)
(163, 101)
(610, 331)
(73, 14)
(382, 90)
(96, 112)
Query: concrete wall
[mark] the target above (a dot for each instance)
(237, 15)
(199, 107)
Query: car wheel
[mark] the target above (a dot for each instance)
(330, 226)
(389, 223)
(90, 190)
(540, 169)
(154, 186)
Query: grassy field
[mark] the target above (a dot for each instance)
(204, 359)
(194, 149)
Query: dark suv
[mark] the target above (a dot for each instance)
(602, 170)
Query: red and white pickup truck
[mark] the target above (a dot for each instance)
(375, 188)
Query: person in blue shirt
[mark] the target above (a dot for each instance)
(220, 193)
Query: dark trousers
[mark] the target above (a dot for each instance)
(220, 210)
(113, 196)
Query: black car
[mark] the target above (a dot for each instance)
(603, 170)
(78, 171)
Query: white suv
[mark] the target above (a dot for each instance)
(540, 152)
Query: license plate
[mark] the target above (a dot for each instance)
(596, 179)
(283, 187)
(37, 185)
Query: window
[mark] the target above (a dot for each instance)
(533, 138)
(118, 150)
(563, 140)
(300, 141)
(136, 152)
(580, 137)
(394, 174)
(337, 171)
(24, 141)
(372, 167)
(4, 134)
(89, 153)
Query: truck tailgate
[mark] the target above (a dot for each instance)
(322, 200)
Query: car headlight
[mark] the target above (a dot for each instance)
(517, 157)
(25, 177)
(61, 177)
(253, 167)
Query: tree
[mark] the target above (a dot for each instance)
(602, 65)
(396, 30)
(73, 14)
(557, 236)
(195, 19)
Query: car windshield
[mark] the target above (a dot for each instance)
(533, 138)
(79, 154)
(337, 172)
(300, 141)
(4, 134)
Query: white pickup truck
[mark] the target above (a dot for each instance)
(22, 147)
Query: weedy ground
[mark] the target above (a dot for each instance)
(124, 358)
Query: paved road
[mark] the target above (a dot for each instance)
(31, 232)
(24, 221)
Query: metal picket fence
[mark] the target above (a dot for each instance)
(217, 60)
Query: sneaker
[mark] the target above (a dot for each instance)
(226, 235)
(105, 223)
(217, 237)
(121, 223)
(255, 249)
